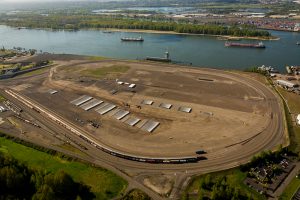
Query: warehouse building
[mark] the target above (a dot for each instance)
(286, 84)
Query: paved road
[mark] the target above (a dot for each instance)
(287, 181)
(234, 156)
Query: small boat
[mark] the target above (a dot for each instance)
(127, 39)
(298, 43)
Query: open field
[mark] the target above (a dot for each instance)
(35, 72)
(5, 66)
(293, 102)
(27, 67)
(291, 189)
(233, 116)
(234, 178)
(222, 105)
(96, 58)
(226, 109)
(110, 72)
(103, 183)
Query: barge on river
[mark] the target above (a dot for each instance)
(235, 44)
(127, 39)
(160, 59)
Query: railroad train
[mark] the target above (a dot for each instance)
(181, 160)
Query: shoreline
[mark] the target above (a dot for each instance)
(190, 34)
(225, 37)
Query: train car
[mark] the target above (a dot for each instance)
(145, 159)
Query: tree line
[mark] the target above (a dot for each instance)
(75, 22)
(18, 181)
(219, 188)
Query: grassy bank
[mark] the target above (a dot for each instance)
(106, 72)
(293, 103)
(290, 190)
(104, 184)
(96, 58)
(234, 178)
(35, 72)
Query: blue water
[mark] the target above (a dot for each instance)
(201, 51)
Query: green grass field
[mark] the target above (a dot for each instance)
(114, 71)
(26, 67)
(96, 58)
(234, 177)
(1, 98)
(294, 105)
(69, 147)
(104, 184)
(35, 72)
(5, 66)
(291, 189)
(292, 100)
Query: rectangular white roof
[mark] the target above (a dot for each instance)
(81, 100)
(106, 109)
(91, 104)
(78, 99)
(132, 85)
(150, 126)
(52, 91)
(121, 114)
(132, 121)
(166, 105)
(185, 109)
(147, 102)
(101, 106)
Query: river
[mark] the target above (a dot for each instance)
(202, 51)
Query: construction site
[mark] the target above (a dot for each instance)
(133, 115)
(154, 111)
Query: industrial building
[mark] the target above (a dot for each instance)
(286, 83)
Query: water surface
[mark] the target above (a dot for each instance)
(200, 51)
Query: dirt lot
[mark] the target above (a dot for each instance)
(226, 110)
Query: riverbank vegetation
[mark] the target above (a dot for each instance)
(293, 106)
(76, 22)
(102, 183)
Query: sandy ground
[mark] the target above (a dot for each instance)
(161, 184)
(238, 110)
